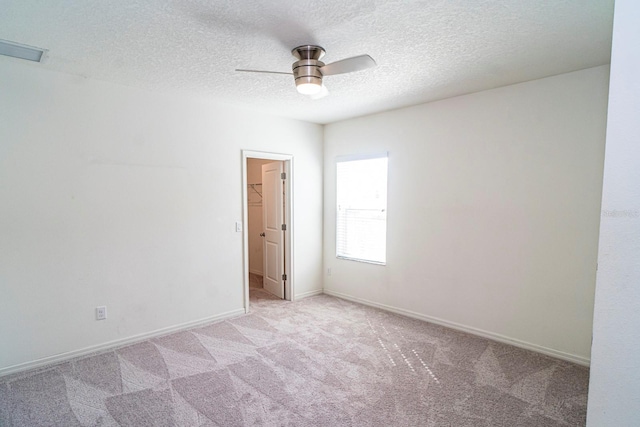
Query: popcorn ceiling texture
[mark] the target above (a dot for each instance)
(426, 50)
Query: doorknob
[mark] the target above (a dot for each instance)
(262, 234)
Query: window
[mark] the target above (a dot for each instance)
(361, 220)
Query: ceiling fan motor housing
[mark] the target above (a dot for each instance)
(306, 70)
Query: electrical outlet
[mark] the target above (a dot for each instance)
(329, 271)
(101, 312)
(238, 226)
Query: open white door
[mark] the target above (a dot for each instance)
(273, 221)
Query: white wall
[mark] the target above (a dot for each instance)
(614, 387)
(493, 210)
(115, 196)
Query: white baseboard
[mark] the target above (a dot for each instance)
(38, 363)
(308, 294)
(471, 330)
(256, 272)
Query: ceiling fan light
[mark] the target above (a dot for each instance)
(309, 85)
(309, 88)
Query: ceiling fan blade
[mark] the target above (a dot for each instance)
(348, 65)
(265, 72)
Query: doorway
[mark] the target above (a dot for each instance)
(268, 231)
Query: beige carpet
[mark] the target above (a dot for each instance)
(318, 362)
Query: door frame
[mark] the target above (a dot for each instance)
(287, 160)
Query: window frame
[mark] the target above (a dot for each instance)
(357, 157)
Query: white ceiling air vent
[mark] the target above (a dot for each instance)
(17, 50)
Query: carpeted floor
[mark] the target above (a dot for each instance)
(321, 361)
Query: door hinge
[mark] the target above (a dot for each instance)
(283, 175)
(284, 227)
(284, 277)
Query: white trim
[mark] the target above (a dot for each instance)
(361, 156)
(288, 217)
(471, 330)
(288, 235)
(309, 294)
(117, 343)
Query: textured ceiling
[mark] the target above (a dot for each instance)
(425, 50)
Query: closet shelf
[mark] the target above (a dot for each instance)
(258, 191)
(255, 194)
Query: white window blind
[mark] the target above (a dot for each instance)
(361, 221)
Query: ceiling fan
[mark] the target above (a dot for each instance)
(308, 70)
